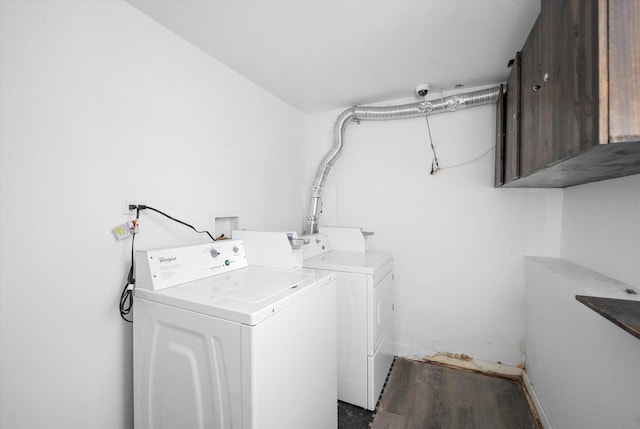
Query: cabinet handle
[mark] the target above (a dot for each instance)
(536, 87)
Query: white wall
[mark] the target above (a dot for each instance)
(577, 361)
(601, 227)
(100, 104)
(458, 242)
(582, 368)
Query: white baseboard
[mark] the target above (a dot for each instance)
(536, 401)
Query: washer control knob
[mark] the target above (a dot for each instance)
(214, 253)
(235, 249)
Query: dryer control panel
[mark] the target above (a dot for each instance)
(318, 244)
(163, 268)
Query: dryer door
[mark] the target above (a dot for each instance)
(382, 312)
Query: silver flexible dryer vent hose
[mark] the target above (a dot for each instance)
(385, 113)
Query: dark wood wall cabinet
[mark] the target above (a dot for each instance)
(570, 113)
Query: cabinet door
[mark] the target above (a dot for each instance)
(623, 65)
(512, 123)
(535, 143)
(500, 137)
(560, 84)
(570, 75)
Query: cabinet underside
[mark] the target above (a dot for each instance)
(601, 162)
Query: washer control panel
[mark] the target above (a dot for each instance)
(160, 269)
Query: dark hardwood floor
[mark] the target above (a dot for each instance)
(421, 395)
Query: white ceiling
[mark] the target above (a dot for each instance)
(321, 55)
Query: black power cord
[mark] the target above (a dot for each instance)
(143, 207)
(126, 298)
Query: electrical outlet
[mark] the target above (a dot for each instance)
(125, 206)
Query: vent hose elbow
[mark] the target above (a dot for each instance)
(384, 113)
(325, 166)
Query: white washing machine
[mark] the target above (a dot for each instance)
(220, 344)
(365, 310)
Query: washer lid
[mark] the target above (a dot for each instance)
(351, 262)
(249, 295)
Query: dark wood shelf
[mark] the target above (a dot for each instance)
(624, 313)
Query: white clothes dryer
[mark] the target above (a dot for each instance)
(220, 344)
(365, 310)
